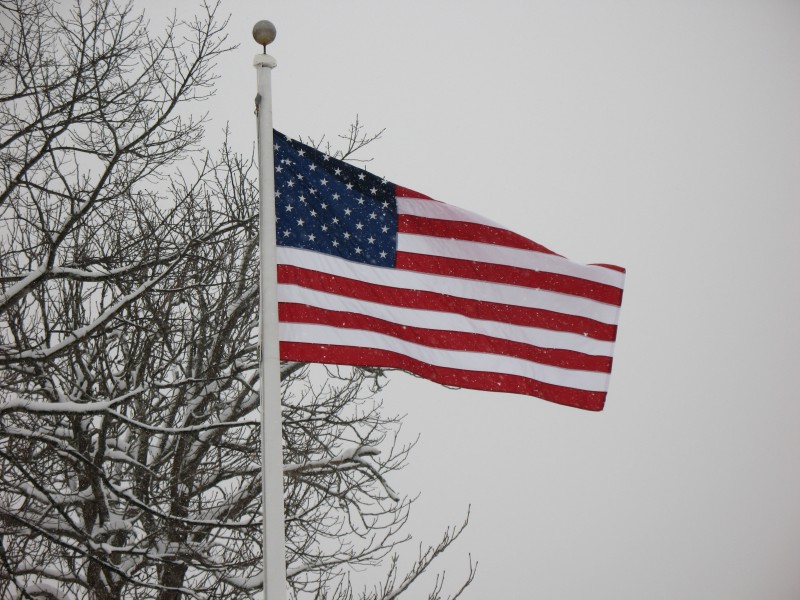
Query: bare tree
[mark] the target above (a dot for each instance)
(129, 442)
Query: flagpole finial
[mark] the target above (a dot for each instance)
(264, 33)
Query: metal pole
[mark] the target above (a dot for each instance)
(274, 536)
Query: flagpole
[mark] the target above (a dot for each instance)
(274, 536)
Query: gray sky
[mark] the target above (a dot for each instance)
(661, 136)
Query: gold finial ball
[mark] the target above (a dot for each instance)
(264, 32)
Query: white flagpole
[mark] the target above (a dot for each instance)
(274, 536)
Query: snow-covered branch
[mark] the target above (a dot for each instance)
(129, 385)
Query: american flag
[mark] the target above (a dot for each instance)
(374, 274)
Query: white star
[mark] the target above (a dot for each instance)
(373, 215)
(337, 171)
(335, 196)
(312, 237)
(313, 167)
(279, 169)
(349, 186)
(371, 240)
(313, 213)
(286, 233)
(302, 198)
(385, 204)
(373, 190)
(300, 177)
(289, 208)
(358, 250)
(324, 228)
(361, 200)
(384, 229)
(335, 220)
(290, 183)
(301, 152)
(347, 212)
(346, 235)
(300, 222)
(334, 243)
(359, 226)
(324, 181)
(323, 206)
(383, 254)
(361, 176)
(276, 147)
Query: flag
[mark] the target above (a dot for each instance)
(374, 274)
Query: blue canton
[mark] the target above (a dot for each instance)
(330, 206)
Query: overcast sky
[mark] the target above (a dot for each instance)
(660, 136)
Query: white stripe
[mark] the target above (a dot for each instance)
(469, 361)
(444, 321)
(454, 286)
(433, 209)
(504, 255)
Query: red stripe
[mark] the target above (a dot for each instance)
(460, 230)
(404, 192)
(564, 284)
(612, 267)
(423, 300)
(476, 380)
(448, 340)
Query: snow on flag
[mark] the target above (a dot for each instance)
(374, 274)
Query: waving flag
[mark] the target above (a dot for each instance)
(374, 274)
